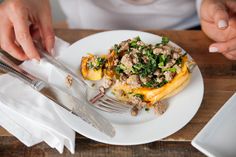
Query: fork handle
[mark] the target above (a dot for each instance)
(10, 67)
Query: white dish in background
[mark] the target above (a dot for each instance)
(147, 126)
(218, 137)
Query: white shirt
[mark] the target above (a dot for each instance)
(120, 14)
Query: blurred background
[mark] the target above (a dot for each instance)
(59, 18)
(162, 14)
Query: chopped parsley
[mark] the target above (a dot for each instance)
(162, 59)
(161, 64)
(97, 63)
(144, 62)
(133, 43)
(90, 65)
(169, 69)
(165, 40)
(179, 60)
(141, 96)
(116, 49)
(149, 84)
(162, 83)
(119, 68)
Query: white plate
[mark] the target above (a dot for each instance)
(147, 126)
(218, 137)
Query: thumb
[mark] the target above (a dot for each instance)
(220, 15)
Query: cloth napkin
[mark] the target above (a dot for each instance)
(29, 116)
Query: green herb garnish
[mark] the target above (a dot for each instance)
(133, 43)
(116, 49)
(165, 40)
(137, 38)
(179, 61)
(138, 66)
(169, 69)
(172, 69)
(161, 64)
(141, 96)
(162, 83)
(149, 84)
(120, 68)
(99, 62)
(162, 58)
(90, 65)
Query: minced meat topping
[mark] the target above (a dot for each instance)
(147, 65)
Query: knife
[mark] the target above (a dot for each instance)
(77, 77)
(76, 106)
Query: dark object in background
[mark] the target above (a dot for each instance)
(195, 28)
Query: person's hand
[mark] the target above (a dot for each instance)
(218, 20)
(20, 21)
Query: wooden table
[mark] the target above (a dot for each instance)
(220, 83)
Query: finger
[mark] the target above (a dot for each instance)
(220, 14)
(23, 37)
(233, 53)
(230, 55)
(46, 29)
(35, 34)
(227, 46)
(228, 49)
(231, 4)
(8, 43)
(215, 12)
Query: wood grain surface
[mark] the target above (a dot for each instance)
(10, 147)
(219, 82)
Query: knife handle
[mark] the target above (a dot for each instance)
(10, 67)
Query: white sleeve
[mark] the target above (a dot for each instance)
(198, 5)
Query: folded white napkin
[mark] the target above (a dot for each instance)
(29, 116)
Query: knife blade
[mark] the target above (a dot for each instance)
(72, 104)
(59, 64)
(78, 108)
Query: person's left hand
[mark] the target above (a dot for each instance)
(218, 21)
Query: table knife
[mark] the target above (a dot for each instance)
(72, 104)
(58, 64)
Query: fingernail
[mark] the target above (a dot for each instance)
(36, 60)
(213, 49)
(222, 24)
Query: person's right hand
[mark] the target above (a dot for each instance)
(218, 21)
(17, 16)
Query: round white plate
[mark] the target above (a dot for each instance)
(147, 126)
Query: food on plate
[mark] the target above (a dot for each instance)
(140, 74)
(91, 67)
(69, 81)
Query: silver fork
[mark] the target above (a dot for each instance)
(101, 101)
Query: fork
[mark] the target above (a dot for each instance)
(101, 101)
